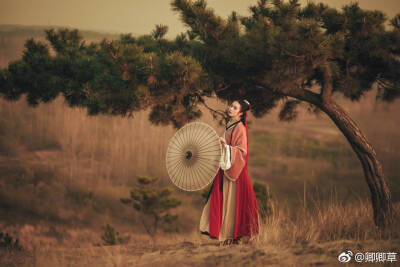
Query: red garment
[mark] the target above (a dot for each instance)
(246, 222)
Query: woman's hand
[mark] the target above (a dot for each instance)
(223, 141)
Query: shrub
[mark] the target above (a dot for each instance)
(6, 242)
(154, 203)
(110, 236)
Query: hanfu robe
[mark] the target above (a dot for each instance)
(231, 210)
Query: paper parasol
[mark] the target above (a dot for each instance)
(193, 156)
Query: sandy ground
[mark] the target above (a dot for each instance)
(206, 254)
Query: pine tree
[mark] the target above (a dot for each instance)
(154, 204)
(285, 51)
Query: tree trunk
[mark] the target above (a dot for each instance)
(380, 193)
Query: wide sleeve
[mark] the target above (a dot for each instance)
(237, 153)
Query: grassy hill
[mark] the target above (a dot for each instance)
(12, 39)
(62, 172)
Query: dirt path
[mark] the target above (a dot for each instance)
(211, 254)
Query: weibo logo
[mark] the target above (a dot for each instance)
(345, 257)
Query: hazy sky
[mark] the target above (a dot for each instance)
(134, 16)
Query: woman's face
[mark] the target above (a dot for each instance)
(234, 110)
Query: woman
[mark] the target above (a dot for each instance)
(231, 210)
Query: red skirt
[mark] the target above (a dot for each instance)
(246, 218)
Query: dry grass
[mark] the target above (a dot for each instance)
(304, 237)
(330, 222)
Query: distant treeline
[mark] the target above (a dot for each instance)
(11, 30)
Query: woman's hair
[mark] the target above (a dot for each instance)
(244, 107)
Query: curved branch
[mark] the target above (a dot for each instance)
(214, 112)
(300, 94)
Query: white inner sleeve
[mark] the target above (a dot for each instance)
(225, 162)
